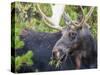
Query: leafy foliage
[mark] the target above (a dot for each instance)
(55, 63)
(26, 59)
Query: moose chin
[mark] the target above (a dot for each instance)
(73, 45)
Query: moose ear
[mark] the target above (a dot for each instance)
(67, 19)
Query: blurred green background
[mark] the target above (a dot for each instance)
(26, 15)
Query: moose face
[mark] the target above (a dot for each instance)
(72, 38)
(75, 37)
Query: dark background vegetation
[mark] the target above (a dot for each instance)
(26, 15)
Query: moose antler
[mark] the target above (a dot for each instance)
(53, 21)
(88, 14)
(85, 18)
(69, 21)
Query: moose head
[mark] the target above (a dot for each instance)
(76, 38)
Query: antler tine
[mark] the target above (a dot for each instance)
(47, 20)
(83, 15)
(67, 18)
(85, 18)
(89, 14)
(79, 25)
(82, 11)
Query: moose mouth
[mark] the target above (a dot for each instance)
(63, 57)
(57, 62)
(59, 56)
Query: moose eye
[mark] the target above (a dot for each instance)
(72, 35)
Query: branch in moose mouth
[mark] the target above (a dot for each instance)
(63, 58)
(57, 62)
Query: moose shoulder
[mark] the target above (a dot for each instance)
(41, 45)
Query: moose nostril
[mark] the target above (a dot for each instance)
(54, 53)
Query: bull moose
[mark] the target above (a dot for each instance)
(74, 45)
